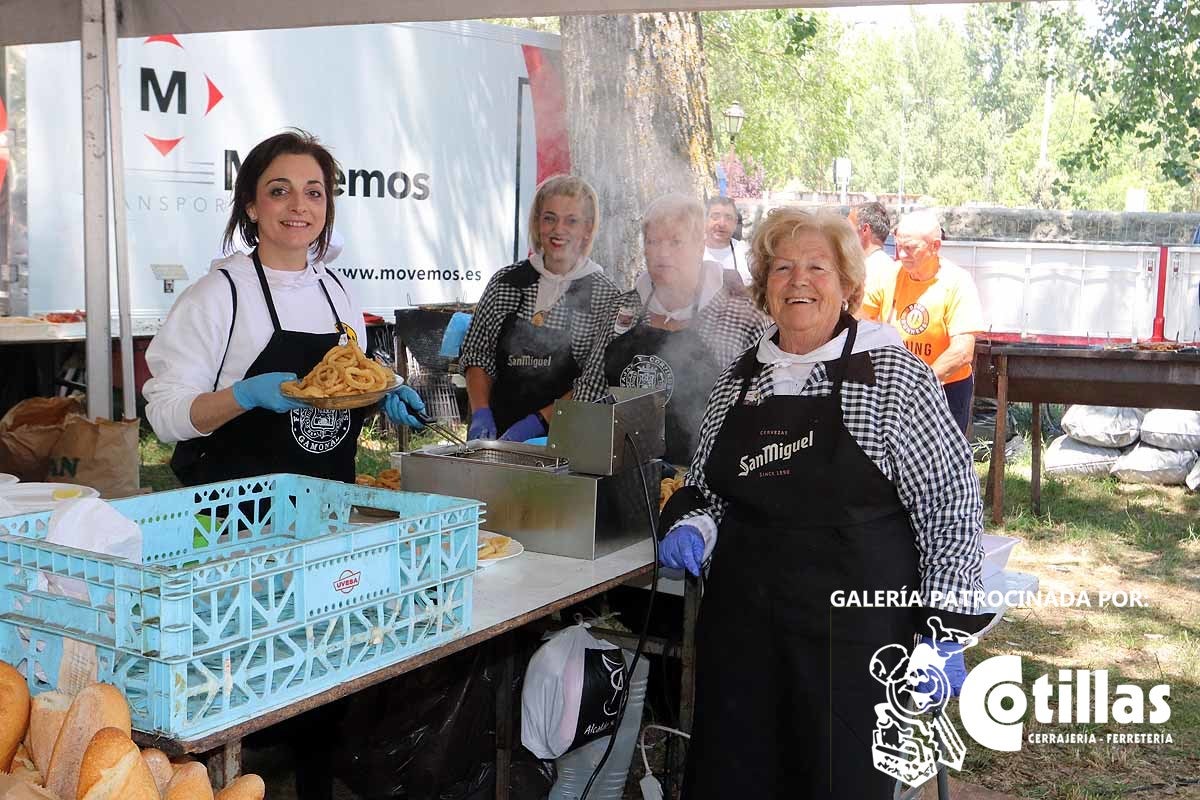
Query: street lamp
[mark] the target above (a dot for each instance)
(734, 117)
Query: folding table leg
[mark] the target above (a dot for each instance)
(504, 715)
(224, 764)
(1035, 436)
(997, 469)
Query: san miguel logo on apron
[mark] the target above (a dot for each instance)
(319, 430)
(648, 372)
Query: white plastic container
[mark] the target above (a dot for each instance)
(575, 767)
(996, 550)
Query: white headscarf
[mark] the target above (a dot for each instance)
(552, 287)
(710, 284)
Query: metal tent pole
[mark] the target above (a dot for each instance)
(117, 155)
(95, 213)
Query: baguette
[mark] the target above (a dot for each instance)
(113, 769)
(247, 787)
(96, 707)
(190, 783)
(160, 767)
(45, 721)
(24, 769)
(14, 713)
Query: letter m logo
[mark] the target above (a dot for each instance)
(177, 82)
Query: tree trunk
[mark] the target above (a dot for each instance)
(637, 115)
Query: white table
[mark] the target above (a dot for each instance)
(508, 594)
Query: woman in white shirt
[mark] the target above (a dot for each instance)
(256, 320)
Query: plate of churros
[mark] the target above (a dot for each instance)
(495, 547)
(344, 378)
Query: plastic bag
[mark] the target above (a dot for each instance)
(573, 692)
(1172, 429)
(1065, 456)
(1146, 464)
(1103, 426)
(431, 734)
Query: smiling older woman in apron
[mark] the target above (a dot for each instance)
(677, 328)
(537, 319)
(828, 461)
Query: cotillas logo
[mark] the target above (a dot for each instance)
(993, 704)
(174, 94)
(347, 582)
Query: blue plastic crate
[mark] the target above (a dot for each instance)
(252, 594)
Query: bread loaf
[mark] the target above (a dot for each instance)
(45, 721)
(113, 769)
(24, 769)
(247, 787)
(160, 767)
(190, 783)
(14, 713)
(97, 707)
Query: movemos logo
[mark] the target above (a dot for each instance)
(357, 182)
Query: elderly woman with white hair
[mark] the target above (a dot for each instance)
(677, 328)
(830, 466)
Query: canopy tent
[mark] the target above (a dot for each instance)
(98, 24)
(34, 21)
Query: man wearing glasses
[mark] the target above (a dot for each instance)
(934, 305)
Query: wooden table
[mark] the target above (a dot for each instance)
(1036, 373)
(508, 594)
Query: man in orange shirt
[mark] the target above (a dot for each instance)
(934, 305)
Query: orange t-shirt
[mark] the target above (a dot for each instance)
(926, 313)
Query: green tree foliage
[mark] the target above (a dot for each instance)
(913, 118)
(1145, 82)
(784, 68)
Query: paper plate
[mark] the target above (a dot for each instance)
(6, 479)
(511, 550)
(345, 401)
(28, 498)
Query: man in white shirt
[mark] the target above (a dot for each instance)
(719, 244)
(872, 224)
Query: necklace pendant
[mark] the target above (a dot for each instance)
(539, 319)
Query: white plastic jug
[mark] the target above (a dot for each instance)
(575, 767)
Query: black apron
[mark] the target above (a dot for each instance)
(784, 698)
(308, 441)
(679, 361)
(534, 363)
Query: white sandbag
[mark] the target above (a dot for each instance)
(1193, 478)
(1103, 426)
(1148, 464)
(1065, 456)
(1172, 429)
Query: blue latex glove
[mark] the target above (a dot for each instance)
(483, 425)
(525, 428)
(262, 391)
(955, 669)
(682, 548)
(455, 333)
(394, 405)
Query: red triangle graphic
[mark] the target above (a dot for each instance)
(214, 95)
(163, 146)
(168, 38)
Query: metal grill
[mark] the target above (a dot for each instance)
(491, 455)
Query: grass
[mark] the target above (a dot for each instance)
(1098, 535)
